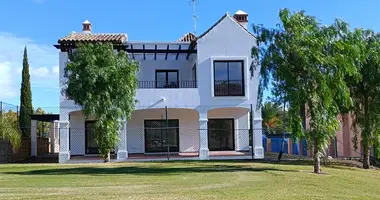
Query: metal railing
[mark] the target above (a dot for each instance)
(167, 84)
(229, 88)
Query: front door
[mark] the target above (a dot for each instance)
(92, 146)
(158, 138)
(221, 134)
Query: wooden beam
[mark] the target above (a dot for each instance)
(167, 49)
(133, 55)
(179, 49)
(143, 50)
(155, 53)
(163, 51)
(191, 47)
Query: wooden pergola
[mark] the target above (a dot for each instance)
(177, 50)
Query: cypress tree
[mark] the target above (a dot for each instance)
(25, 98)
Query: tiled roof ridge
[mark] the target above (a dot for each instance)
(188, 37)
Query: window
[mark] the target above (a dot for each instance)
(158, 138)
(228, 78)
(221, 134)
(167, 79)
(194, 72)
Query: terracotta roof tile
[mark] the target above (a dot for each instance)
(187, 38)
(94, 37)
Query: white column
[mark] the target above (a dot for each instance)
(64, 153)
(51, 137)
(258, 149)
(56, 137)
(122, 151)
(33, 138)
(203, 136)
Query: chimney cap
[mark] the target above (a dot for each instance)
(86, 22)
(240, 12)
(87, 27)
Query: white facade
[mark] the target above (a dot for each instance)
(191, 106)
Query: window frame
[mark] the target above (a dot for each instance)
(228, 77)
(162, 129)
(166, 73)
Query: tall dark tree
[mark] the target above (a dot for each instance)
(25, 98)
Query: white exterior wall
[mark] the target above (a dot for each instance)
(77, 133)
(148, 69)
(226, 41)
(241, 124)
(188, 128)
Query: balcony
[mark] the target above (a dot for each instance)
(229, 88)
(166, 84)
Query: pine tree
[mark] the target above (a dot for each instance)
(25, 98)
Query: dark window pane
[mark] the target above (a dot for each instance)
(235, 71)
(92, 146)
(221, 134)
(228, 78)
(161, 79)
(221, 72)
(172, 80)
(158, 138)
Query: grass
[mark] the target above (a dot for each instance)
(187, 180)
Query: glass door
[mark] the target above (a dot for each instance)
(167, 79)
(158, 138)
(92, 146)
(221, 134)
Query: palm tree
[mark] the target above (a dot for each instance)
(272, 117)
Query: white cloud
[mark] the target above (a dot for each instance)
(55, 70)
(39, 71)
(43, 60)
(6, 81)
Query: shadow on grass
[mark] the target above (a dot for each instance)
(137, 170)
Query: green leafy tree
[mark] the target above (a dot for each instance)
(43, 128)
(9, 129)
(104, 84)
(366, 93)
(307, 63)
(25, 98)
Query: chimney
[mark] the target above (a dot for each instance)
(87, 27)
(241, 17)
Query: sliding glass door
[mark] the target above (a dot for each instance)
(221, 134)
(158, 138)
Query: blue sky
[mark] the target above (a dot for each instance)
(40, 23)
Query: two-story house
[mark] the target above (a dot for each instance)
(206, 84)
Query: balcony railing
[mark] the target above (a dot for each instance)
(228, 88)
(167, 84)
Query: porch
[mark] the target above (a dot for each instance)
(174, 133)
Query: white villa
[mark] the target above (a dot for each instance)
(205, 82)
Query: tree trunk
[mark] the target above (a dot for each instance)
(366, 135)
(108, 158)
(317, 160)
(366, 152)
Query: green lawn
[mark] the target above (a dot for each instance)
(187, 180)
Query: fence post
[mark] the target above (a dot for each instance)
(167, 131)
(251, 131)
(336, 147)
